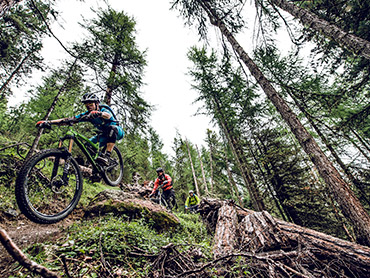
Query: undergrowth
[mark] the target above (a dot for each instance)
(116, 246)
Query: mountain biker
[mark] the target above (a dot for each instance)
(102, 118)
(192, 202)
(165, 181)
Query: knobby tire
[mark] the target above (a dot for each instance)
(113, 175)
(49, 186)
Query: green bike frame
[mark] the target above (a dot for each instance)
(81, 140)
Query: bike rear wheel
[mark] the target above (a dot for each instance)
(49, 186)
(113, 173)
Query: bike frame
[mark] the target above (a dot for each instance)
(74, 136)
(162, 200)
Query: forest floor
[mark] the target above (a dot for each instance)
(24, 233)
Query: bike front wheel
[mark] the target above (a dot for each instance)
(113, 173)
(49, 186)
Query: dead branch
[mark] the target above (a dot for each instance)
(20, 257)
(14, 145)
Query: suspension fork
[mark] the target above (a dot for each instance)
(70, 145)
(66, 162)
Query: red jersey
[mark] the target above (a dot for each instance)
(159, 182)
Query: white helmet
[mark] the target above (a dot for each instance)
(90, 97)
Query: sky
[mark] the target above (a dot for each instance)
(162, 34)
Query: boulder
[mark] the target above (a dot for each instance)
(133, 206)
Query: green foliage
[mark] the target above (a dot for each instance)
(66, 81)
(338, 118)
(21, 31)
(111, 52)
(11, 159)
(231, 101)
(117, 240)
(136, 153)
(182, 171)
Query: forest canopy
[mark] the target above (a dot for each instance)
(289, 132)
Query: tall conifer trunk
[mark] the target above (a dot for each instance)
(349, 41)
(343, 195)
(249, 181)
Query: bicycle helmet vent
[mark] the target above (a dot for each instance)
(89, 97)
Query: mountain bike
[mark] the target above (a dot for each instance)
(160, 199)
(49, 184)
(193, 209)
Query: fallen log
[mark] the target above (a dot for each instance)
(259, 231)
(274, 246)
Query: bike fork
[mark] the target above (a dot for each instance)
(65, 178)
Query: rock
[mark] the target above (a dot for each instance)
(133, 206)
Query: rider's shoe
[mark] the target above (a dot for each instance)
(104, 159)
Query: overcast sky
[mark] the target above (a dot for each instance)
(162, 33)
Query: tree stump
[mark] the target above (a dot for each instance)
(260, 232)
(225, 234)
(274, 248)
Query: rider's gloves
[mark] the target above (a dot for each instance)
(95, 114)
(43, 124)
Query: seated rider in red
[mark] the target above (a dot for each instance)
(165, 181)
(101, 118)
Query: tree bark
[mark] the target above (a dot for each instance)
(343, 195)
(225, 235)
(193, 170)
(20, 257)
(349, 41)
(269, 243)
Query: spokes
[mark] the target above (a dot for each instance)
(114, 171)
(51, 185)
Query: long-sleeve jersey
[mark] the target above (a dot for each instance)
(99, 123)
(159, 182)
(192, 201)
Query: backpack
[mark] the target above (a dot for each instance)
(110, 110)
(193, 198)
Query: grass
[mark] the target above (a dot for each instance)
(115, 241)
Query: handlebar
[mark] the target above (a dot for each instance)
(67, 121)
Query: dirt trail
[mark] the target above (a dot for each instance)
(24, 233)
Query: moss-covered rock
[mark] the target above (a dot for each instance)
(133, 206)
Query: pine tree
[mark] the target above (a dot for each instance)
(111, 52)
(22, 29)
(224, 19)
